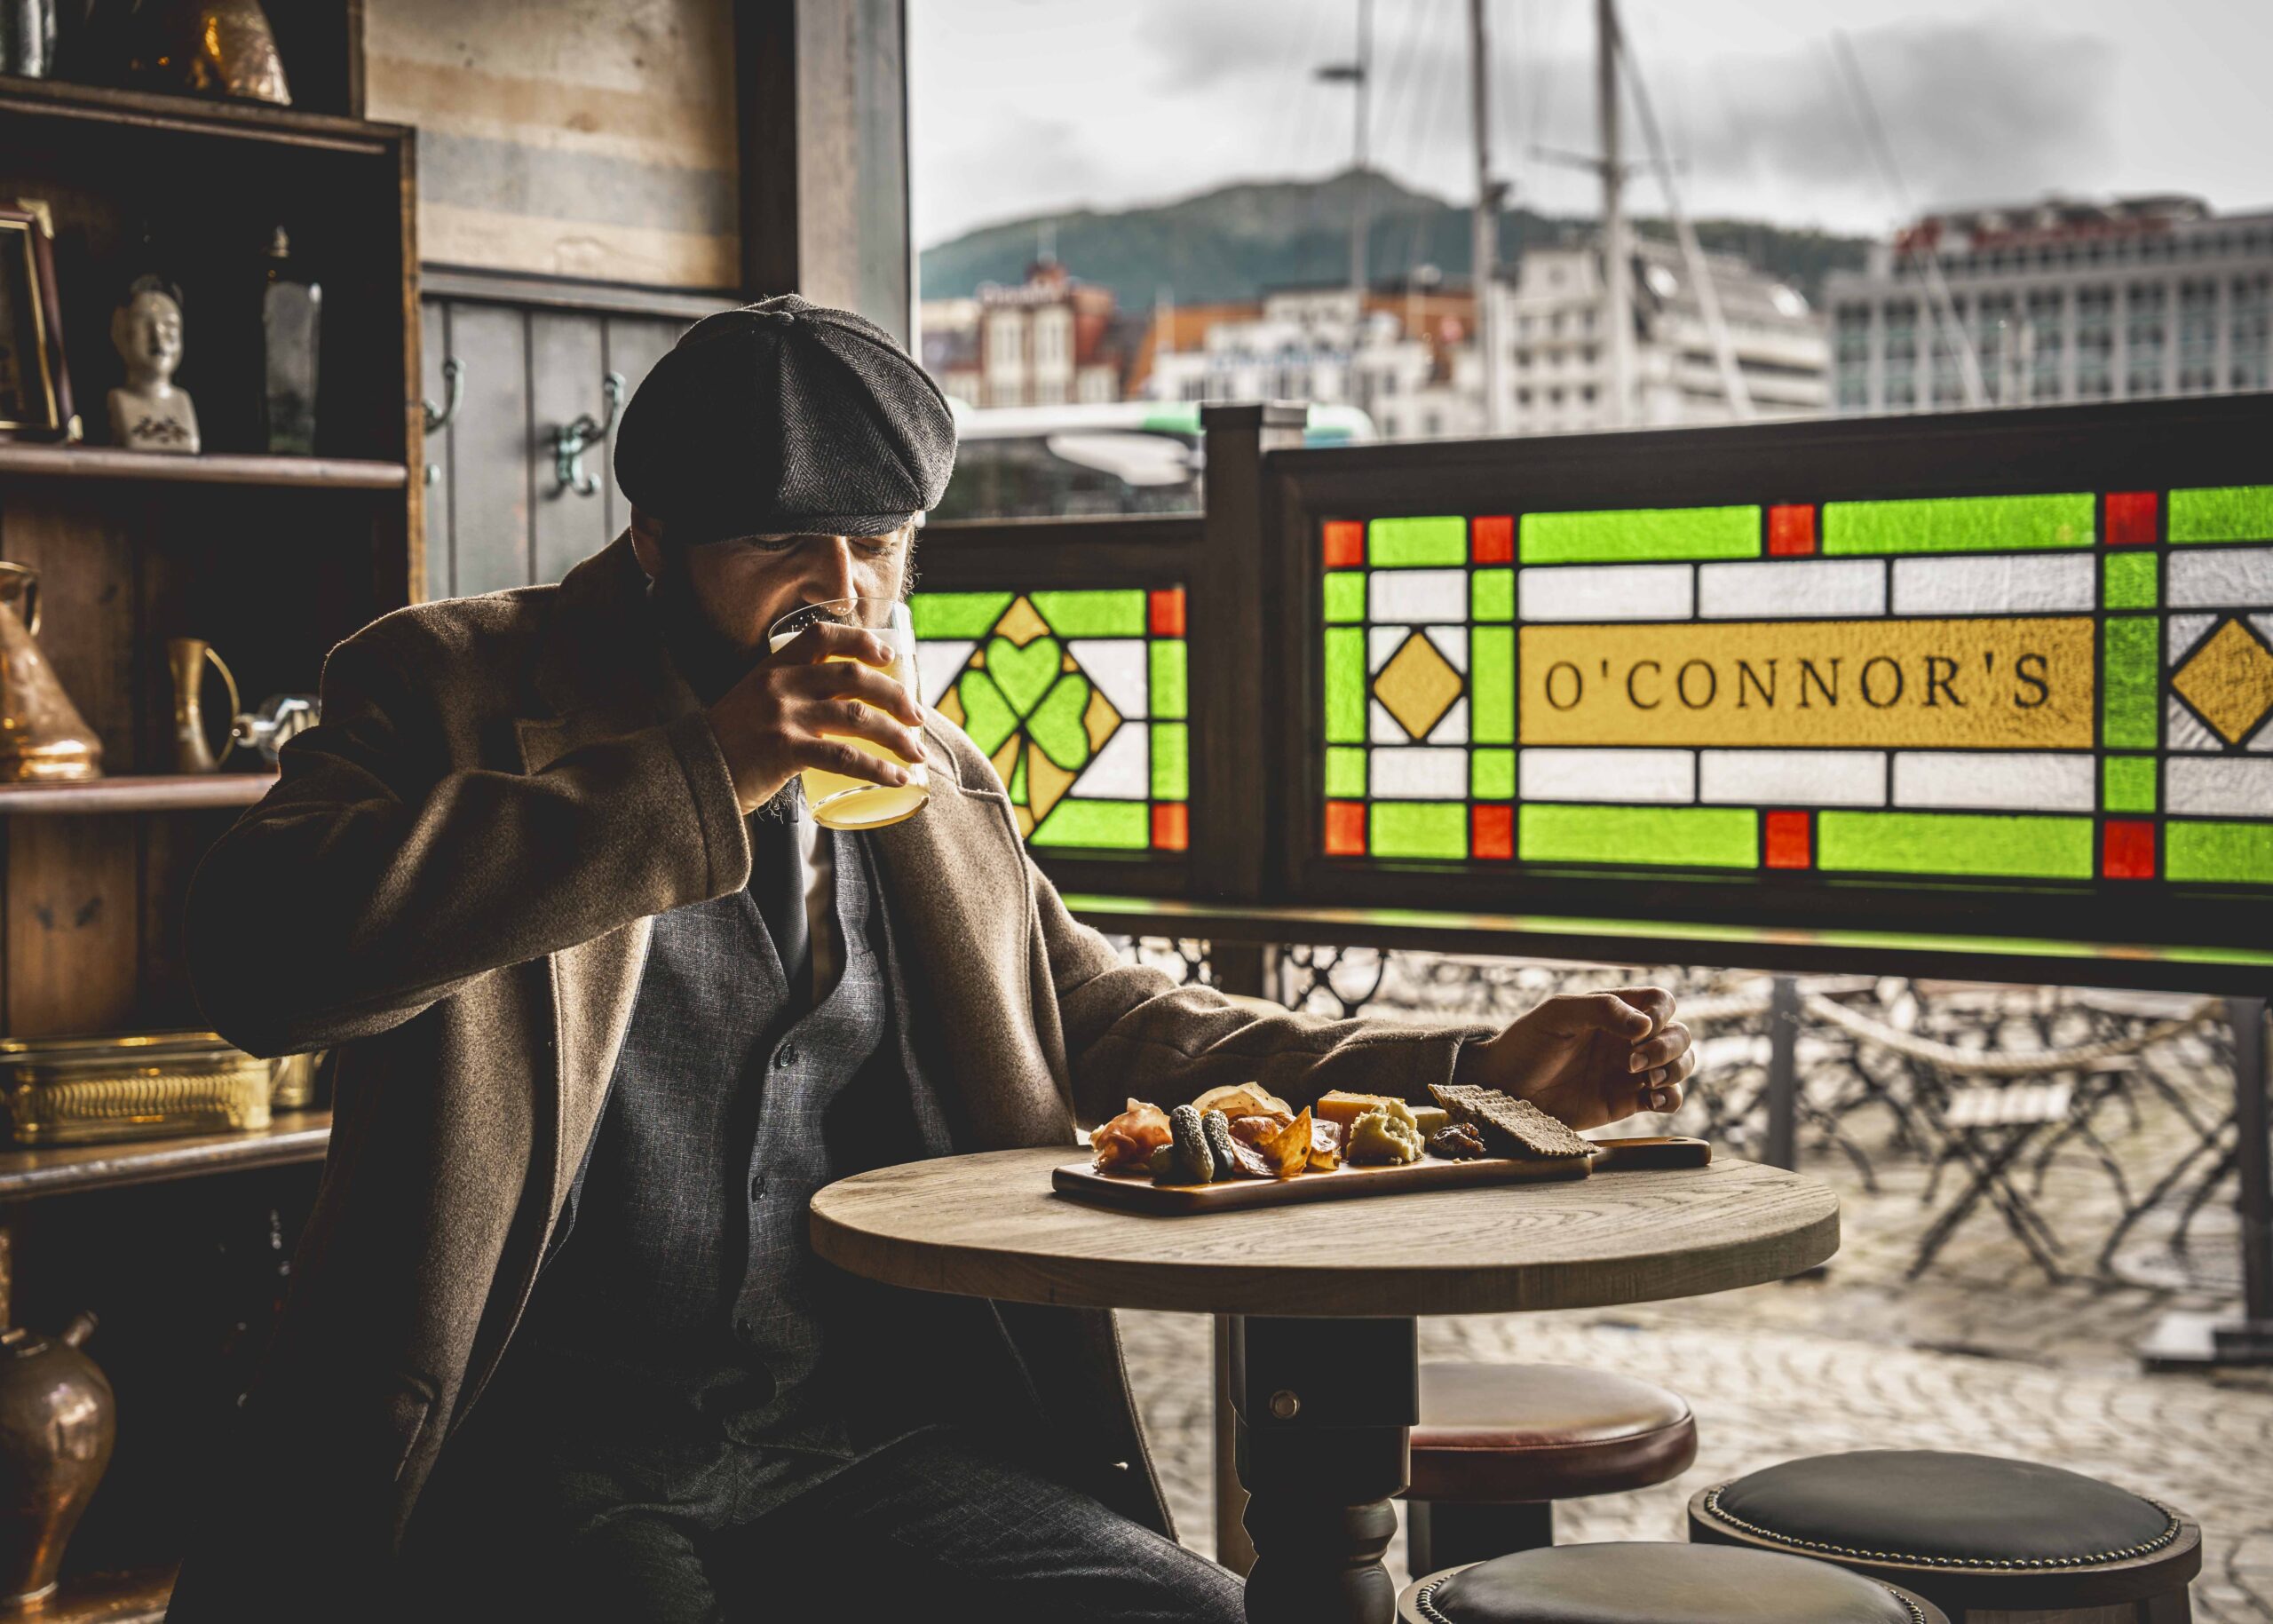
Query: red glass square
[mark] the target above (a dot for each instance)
(1492, 832)
(1492, 541)
(1791, 530)
(1345, 544)
(2128, 849)
(1790, 841)
(1345, 829)
(1171, 826)
(2131, 518)
(1168, 612)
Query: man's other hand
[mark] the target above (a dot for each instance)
(798, 707)
(1588, 1057)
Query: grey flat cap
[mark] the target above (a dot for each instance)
(785, 416)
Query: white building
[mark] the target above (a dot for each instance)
(2136, 298)
(1555, 370)
(1310, 343)
(1052, 340)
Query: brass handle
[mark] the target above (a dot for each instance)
(30, 578)
(228, 680)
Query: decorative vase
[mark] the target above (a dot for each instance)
(57, 1423)
(41, 735)
(209, 48)
(185, 657)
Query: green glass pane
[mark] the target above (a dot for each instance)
(2224, 514)
(1407, 543)
(1420, 828)
(1056, 723)
(1345, 596)
(1171, 762)
(1683, 836)
(1345, 685)
(1492, 595)
(1092, 613)
(2127, 784)
(2236, 853)
(2034, 848)
(2129, 580)
(1345, 773)
(2128, 667)
(956, 614)
(1167, 696)
(1491, 775)
(1492, 664)
(1017, 784)
(1957, 523)
(986, 716)
(1122, 826)
(1640, 533)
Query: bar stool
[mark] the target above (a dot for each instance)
(1498, 1445)
(1980, 1536)
(1657, 1584)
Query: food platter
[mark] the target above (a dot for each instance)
(1138, 1192)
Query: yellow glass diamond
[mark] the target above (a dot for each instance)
(2229, 682)
(1417, 685)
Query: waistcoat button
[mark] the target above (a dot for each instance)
(785, 1057)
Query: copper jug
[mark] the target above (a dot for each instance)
(42, 737)
(57, 1423)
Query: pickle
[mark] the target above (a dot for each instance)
(1217, 1129)
(1162, 1166)
(1193, 1164)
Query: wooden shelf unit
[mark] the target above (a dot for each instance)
(158, 792)
(273, 560)
(71, 1170)
(108, 464)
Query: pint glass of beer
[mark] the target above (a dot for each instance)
(836, 801)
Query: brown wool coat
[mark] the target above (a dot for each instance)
(452, 888)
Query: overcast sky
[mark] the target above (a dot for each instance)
(1022, 106)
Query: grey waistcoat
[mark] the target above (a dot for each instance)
(685, 1297)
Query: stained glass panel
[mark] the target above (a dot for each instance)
(1078, 697)
(2057, 685)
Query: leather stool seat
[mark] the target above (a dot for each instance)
(1506, 1433)
(1973, 1532)
(1657, 1584)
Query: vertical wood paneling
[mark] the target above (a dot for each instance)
(492, 445)
(74, 915)
(567, 362)
(434, 324)
(635, 344)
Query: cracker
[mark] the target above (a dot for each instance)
(1510, 1127)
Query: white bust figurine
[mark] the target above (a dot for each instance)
(147, 413)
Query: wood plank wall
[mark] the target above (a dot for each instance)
(496, 515)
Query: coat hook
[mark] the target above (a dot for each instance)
(453, 396)
(570, 441)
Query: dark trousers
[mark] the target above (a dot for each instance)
(938, 1526)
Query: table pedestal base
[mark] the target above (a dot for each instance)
(1325, 1411)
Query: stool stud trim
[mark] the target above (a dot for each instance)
(1424, 1601)
(1957, 1564)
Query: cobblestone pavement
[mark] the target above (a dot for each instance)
(1982, 1353)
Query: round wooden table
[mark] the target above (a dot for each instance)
(1325, 1349)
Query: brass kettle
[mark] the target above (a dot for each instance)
(42, 738)
(57, 1423)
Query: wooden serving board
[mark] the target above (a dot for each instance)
(1137, 1191)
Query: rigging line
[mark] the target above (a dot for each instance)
(1700, 275)
(1398, 82)
(1937, 286)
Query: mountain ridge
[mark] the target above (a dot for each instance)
(1233, 242)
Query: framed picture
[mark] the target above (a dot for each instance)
(35, 389)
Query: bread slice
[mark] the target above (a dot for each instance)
(1510, 1127)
